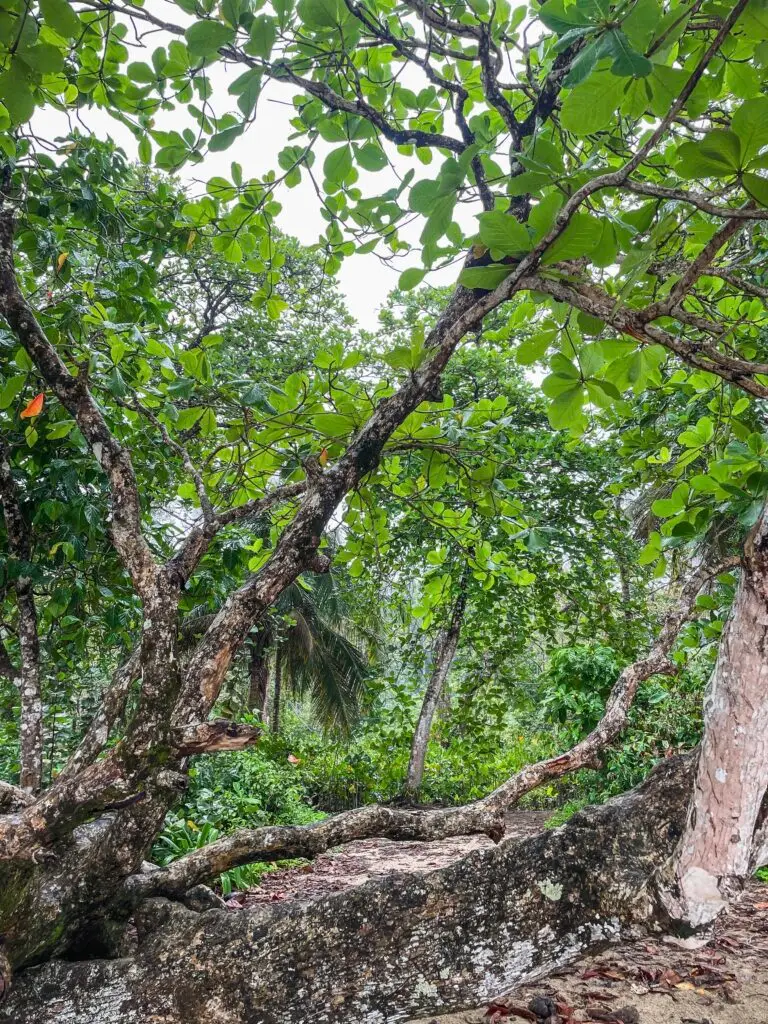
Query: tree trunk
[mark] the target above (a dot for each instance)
(717, 849)
(277, 693)
(397, 946)
(258, 674)
(445, 651)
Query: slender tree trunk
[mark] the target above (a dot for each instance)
(258, 674)
(277, 692)
(717, 850)
(445, 651)
(258, 682)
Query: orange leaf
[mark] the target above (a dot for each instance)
(34, 408)
(323, 457)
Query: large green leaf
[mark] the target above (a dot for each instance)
(750, 123)
(205, 38)
(592, 106)
(501, 233)
(579, 238)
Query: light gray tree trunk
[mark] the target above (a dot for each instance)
(445, 651)
(719, 846)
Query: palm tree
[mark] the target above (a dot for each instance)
(316, 650)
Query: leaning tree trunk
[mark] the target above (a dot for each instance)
(394, 947)
(445, 651)
(719, 848)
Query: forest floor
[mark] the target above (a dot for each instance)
(647, 981)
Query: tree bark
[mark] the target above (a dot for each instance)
(258, 673)
(717, 849)
(445, 651)
(277, 693)
(396, 946)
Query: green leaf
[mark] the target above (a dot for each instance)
(322, 13)
(371, 157)
(16, 94)
(60, 16)
(592, 106)
(223, 140)
(43, 57)
(262, 36)
(486, 278)
(533, 349)
(750, 123)
(565, 411)
(640, 24)
(333, 424)
(561, 19)
(411, 278)
(628, 63)
(757, 187)
(11, 389)
(205, 38)
(338, 164)
(718, 155)
(501, 233)
(247, 87)
(579, 238)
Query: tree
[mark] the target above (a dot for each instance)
(581, 165)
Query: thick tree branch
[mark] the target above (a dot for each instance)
(646, 188)
(13, 798)
(694, 270)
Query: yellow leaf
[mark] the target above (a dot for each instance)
(191, 239)
(61, 261)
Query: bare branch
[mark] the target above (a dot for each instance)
(609, 728)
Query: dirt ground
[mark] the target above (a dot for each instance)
(648, 981)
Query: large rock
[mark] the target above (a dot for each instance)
(390, 949)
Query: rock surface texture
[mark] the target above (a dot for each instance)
(390, 948)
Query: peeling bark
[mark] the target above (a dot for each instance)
(716, 853)
(390, 949)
